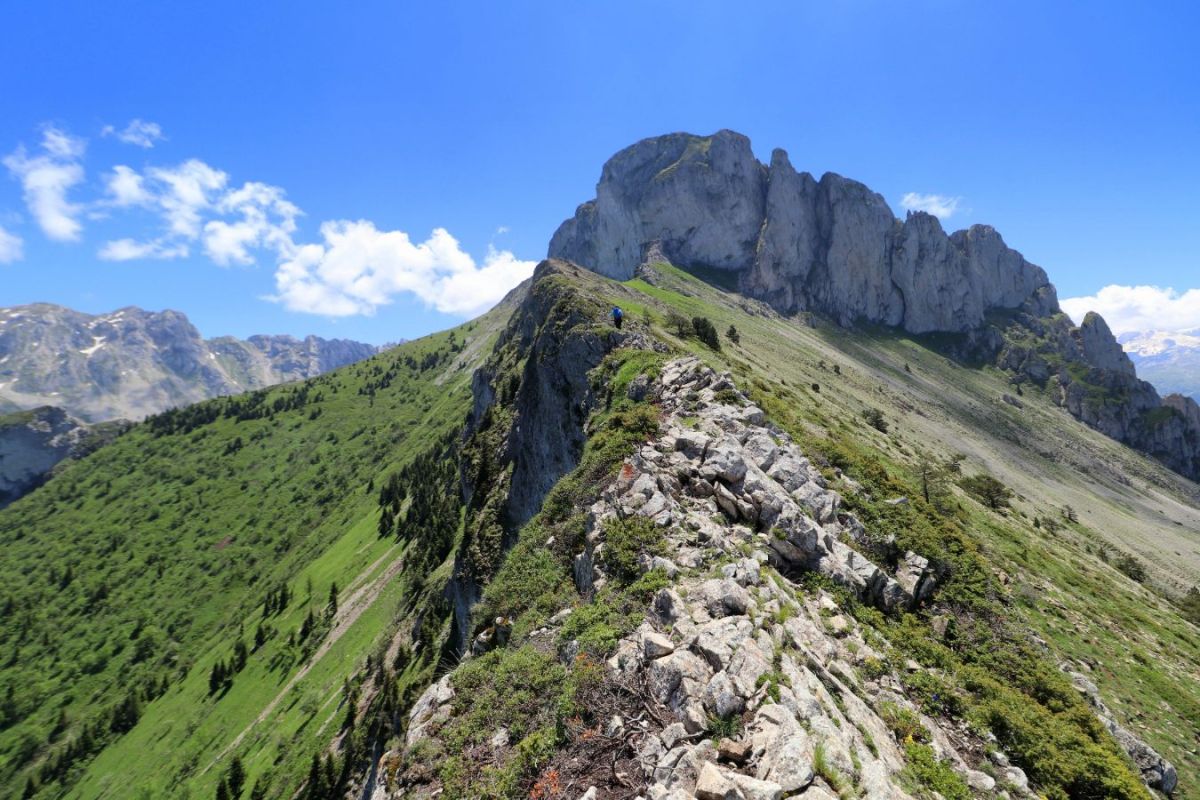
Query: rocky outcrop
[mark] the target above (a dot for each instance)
(132, 363)
(526, 428)
(1089, 374)
(831, 246)
(730, 638)
(1157, 772)
(33, 442)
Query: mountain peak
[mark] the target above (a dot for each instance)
(832, 245)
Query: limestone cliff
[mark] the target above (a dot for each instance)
(831, 246)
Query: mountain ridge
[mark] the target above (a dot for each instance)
(834, 247)
(130, 363)
(1168, 359)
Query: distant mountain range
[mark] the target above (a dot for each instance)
(132, 363)
(1168, 359)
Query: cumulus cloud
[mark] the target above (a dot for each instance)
(11, 247)
(187, 190)
(355, 268)
(359, 268)
(46, 178)
(1129, 309)
(264, 218)
(938, 205)
(126, 187)
(138, 133)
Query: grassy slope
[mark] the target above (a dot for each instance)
(187, 532)
(1144, 654)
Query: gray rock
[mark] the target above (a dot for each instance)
(655, 645)
(980, 781)
(831, 245)
(131, 363)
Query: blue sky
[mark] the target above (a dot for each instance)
(278, 141)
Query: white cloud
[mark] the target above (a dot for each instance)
(132, 250)
(187, 190)
(138, 132)
(47, 178)
(11, 247)
(359, 268)
(938, 205)
(266, 219)
(355, 269)
(1129, 309)
(127, 187)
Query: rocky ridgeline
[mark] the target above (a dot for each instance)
(829, 245)
(132, 363)
(731, 638)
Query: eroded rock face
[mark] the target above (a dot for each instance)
(832, 245)
(700, 198)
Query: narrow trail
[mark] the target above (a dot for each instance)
(347, 614)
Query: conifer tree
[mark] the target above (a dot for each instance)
(236, 777)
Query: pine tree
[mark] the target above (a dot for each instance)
(307, 626)
(333, 598)
(259, 792)
(315, 789)
(236, 777)
(126, 714)
(216, 678)
(222, 791)
(733, 335)
(30, 789)
(239, 656)
(330, 775)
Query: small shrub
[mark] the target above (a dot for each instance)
(1189, 606)
(926, 771)
(733, 335)
(678, 324)
(724, 727)
(1133, 569)
(625, 542)
(706, 332)
(875, 419)
(988, 490)
(904, 724)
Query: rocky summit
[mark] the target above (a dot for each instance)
(132, 363)
(830, 245)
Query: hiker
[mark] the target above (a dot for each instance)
(618, 316)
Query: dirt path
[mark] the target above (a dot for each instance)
(347, 614)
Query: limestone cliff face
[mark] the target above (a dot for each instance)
(1091, 377)
(831, 245)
